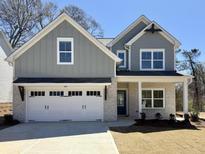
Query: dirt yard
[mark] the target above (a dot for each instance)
(156, 140)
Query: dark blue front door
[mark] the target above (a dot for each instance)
(121, 102)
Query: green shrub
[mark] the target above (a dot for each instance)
(172, 117)
(158, 116)
(8, 118)
(186, 117)
(194, 116)
(143, 116)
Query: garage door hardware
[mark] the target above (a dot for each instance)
(83, 106)
(47, 107)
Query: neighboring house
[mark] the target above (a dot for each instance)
(6, 71)
(64, 73)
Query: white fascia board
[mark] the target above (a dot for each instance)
(50, 27)
(129, 28)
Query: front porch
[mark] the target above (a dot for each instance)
(157, 95)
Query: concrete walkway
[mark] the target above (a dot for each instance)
(59, 137)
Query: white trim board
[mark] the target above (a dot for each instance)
(129, 28)
(50, 27)
(164, 33)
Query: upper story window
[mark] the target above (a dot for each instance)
(152, 59)
(65, 51)
(122, 55)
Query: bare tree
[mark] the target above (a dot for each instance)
(21, 19)
(46, 14)
(190, 63)
(86, 21)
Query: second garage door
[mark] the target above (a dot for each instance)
(55, 104)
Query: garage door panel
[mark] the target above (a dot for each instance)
(76, 108)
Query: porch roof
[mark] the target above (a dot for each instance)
(61, 81)
(152, 76)
(148, 73)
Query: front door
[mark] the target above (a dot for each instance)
(121, 102)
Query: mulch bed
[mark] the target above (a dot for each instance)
(165, 123)
(150, 126)
(4, 124)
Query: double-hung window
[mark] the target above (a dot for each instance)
(152, 59)
(153, 98)
(65, 51)
(122, 55)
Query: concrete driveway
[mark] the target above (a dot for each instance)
(61, 137)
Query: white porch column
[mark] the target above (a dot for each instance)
(140, 97)
(185, 96)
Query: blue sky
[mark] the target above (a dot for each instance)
(185, 19)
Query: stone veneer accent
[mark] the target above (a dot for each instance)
(19, 107)
(110, 105)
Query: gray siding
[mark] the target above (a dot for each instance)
(4, 45)
(149, 40)
(120, 44)
(41, 59)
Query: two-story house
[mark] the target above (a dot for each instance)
(64, 73)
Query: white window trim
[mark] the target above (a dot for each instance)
(72, 50)
(125, 58)
(153, 89)
(152, 60)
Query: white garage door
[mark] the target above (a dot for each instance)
(55, 104)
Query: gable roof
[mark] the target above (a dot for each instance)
(142, 18)
(105, 41)
(50, 27)
(164, 33)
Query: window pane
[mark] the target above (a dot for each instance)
(158, 64)
(158, 55)
(122, 56)
(147, 103)
(146, 64)
(158, 94)
(65, 46)
(158, 103)
(146, 94)
(146, 55)
(65, 57)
